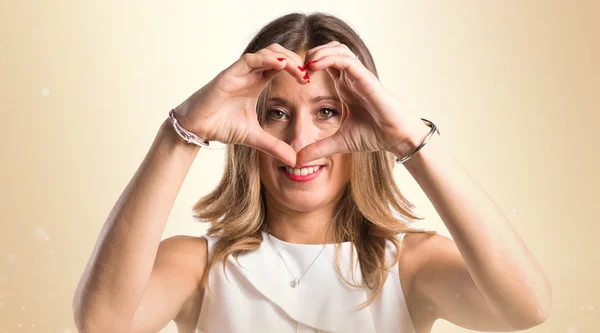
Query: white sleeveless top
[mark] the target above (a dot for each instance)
(256, 294)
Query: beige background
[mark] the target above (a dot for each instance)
(514, 86)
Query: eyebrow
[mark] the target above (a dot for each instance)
(316, 99)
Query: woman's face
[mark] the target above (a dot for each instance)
(300, 115)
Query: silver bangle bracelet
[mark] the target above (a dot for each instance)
(433, 130)
(185, 134)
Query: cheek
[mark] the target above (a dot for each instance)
(266, 167)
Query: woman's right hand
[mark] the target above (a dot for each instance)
(225, 109)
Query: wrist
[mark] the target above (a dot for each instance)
(416, 136)
(171, 139)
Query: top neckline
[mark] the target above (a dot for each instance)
(280, 242)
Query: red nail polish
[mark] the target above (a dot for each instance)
(281, 59)
(301, 68)
(313, 61)
(306, 77)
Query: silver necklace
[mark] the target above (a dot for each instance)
(295, 281)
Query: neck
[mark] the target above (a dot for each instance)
(299, 227)
(297, 235)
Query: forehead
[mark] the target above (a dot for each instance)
(285, 85)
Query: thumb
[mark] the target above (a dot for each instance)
(326, 147)
(269, 144)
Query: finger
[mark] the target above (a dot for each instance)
(269, 144)
(290, 67)
(337, 49)
(295, 66)
(326, 147)
(349, 65)
(252, 62)
(311, 52)
(266, 61)
(259, 61)
(269, 74)
(329, 49)
(278, 48)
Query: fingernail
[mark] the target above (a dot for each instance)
(306, 77)
(312, 61)
(301, 68)
(281, 59)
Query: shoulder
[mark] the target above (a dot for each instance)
(419, 244)
(183, 247)
(423, 250)
(418, 251)
(188, 254)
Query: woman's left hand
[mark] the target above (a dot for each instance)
(372, 118)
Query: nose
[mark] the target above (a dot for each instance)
(302, 131)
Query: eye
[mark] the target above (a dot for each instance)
(330, 112)
(276, 114)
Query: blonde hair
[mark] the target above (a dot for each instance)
(365, 214)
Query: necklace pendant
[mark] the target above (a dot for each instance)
(295, 283)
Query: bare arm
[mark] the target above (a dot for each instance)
(120, 267)
(135, 283)
(486, 278)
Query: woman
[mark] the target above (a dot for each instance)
(307, 222)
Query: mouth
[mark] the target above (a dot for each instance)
(302, 174)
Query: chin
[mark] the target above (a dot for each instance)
(304, 202)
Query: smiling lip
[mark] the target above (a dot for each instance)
(302, 178)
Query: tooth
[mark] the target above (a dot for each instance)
(303, 171)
